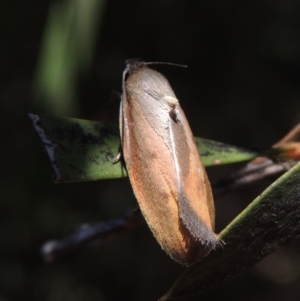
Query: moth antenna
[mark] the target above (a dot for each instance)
(165, 63)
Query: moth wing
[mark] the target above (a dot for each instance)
(196, 205)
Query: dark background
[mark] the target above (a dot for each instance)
(241, 87)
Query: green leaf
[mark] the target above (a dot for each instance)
(271, 220)
(84, 150)
(79, 150)
(218, 153)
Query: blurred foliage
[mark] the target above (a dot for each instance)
(66, 52)
(241, 87)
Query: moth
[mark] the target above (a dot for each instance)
(164, 166)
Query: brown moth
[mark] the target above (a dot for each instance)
(164, 166)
